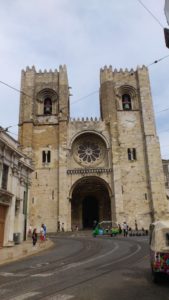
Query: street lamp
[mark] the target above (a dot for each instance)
(166, 10)
(166, 30)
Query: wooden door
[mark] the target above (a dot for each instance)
(3, 210)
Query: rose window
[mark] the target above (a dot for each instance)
(89, 152)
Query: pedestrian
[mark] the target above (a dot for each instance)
(34, 236)
(119, 227)
(125, 229)
(58, 227)
(45, 230)
(63, 229)
(42, 235)
(136, 226)
(94, 224)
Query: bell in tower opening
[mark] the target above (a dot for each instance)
(126, 102)
(47, 106)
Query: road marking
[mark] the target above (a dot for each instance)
(26, 296)
(39, 265)
(42, 275)
(74, 265)
(60, 297)
(123, 258)
(5, 274)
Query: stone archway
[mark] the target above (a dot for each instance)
(90, 201)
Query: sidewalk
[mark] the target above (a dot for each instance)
(25, 249)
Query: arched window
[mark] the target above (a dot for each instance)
(47, 106)
(126, 102)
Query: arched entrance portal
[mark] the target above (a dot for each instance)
(90, 202)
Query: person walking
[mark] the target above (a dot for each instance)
(63, 228)
(125, 229)
(94, 224)
(34, 237)
(42, 234)
(45, 230)
(119, 228)
(58, 226)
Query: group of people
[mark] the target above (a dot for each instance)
(126, 229)
(60, 227)
(42, 236)
(122, 229)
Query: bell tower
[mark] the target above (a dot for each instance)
(43, 118)
(127, 109)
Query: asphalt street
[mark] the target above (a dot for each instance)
(81, 267)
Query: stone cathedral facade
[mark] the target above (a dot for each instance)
(92, 169)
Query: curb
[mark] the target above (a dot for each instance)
(23, 250)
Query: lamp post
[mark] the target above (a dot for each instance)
(166, 30)
(166, 10)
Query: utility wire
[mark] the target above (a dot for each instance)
(156, 61)
(165, 130)
(21, 92)
(80, 99)
(84, 97)
(158, 112)
(149, 11)
(13, 88)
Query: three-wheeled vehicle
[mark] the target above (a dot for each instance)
(106, 228)
(159, 249)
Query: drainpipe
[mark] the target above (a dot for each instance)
(25, 209)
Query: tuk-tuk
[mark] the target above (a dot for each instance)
(159, 249)
(106, 228)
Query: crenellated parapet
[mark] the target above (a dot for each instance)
(62, 73)
(62, 69)
(85, 120)
(89, 124)
(63, 78)
(108, 74)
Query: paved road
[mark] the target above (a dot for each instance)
(81, 267)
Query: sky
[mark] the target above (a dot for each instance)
(85, 36)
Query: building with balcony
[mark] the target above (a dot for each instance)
(15, 170)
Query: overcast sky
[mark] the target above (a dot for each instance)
(84, 35)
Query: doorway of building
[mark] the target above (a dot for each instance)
(90, 211)
(90, 201)
(3, 210)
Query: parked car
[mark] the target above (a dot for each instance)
(159, 249)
